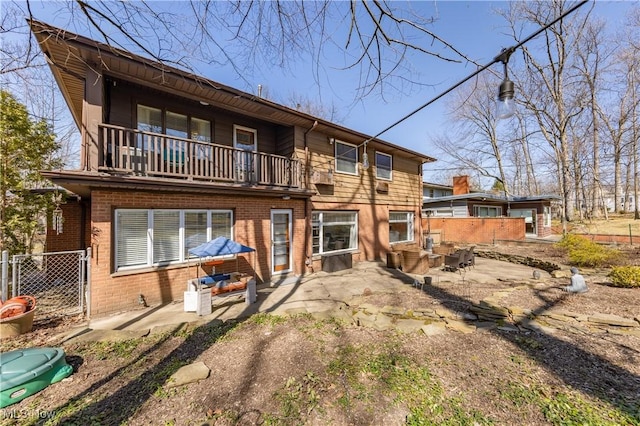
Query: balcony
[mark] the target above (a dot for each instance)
(131, 151)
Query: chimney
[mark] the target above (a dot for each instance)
(460, 185)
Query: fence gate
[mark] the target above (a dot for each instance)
(56, 280)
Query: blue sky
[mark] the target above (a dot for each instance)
(472, 27)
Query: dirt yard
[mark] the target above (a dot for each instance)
(305, 371)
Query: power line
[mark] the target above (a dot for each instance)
(502, 57)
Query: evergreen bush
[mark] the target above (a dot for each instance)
(625, 276)
(584, 252)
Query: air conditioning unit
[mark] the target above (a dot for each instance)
(322, 178)
(382, 187)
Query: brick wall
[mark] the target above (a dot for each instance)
(476, 230)
(118, 291)
(111, 292)
(373, 229)
(543, 231)
(73, 237)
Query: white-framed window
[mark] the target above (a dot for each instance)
(487, 211)
(400, 227)
(384, 165)
(149, 119)
(245, 138)
(334, 231)
(546, 213)
(170, 123)
(156, 120)
(152, 237)
(346, 157)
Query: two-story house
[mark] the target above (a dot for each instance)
(171, 160)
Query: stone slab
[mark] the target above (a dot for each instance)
(460, 326)
(612, 320)
(383, 322)
(393, 310)
(89, 335)
(189, 374)
(434, 329)
(409, 325)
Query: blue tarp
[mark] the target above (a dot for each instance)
(219, 247)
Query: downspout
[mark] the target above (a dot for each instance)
(82, 237)
(307, 216)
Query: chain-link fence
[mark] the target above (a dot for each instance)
(56, 280)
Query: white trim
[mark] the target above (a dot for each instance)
(237, 127)
(289, 213)
(390, 164)
(335, 156)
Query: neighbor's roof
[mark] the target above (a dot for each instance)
(485, 196)
(73, 58)
(436, 185)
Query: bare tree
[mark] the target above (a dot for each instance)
(24, 72)
(525, 171)
(592, 54)
(548, 85)
(618, 118)
(634, 49)
(476, 143)
(376, 38)
(314, 107)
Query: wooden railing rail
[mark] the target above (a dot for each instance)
(133, 151)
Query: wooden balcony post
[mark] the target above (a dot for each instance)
(91, 118)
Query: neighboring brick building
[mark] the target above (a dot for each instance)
(170, 160)
(463, 203)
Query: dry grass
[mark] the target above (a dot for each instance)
(619, 224)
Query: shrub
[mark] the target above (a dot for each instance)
(625, 276)
(584, 252)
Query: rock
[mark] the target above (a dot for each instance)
(427, 313)
(363, 319)
(444, 313)
(625, 331)
(434, 329)
(486, 325)
(612, 320)
(561, 274)
(409, 325)
(369, 308)
(460, 326)
(536, 326)
(188, 374)
(556, 316)
(508, 327)
(382, 322)
(518, 311)
(393, 310)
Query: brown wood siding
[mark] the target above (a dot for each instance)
(124, 97)
(405, 188)
(285, 137)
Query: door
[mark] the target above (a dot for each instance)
(280, 241)
(245, 140)
(529, 220)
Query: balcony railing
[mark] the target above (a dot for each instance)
(153, 154)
